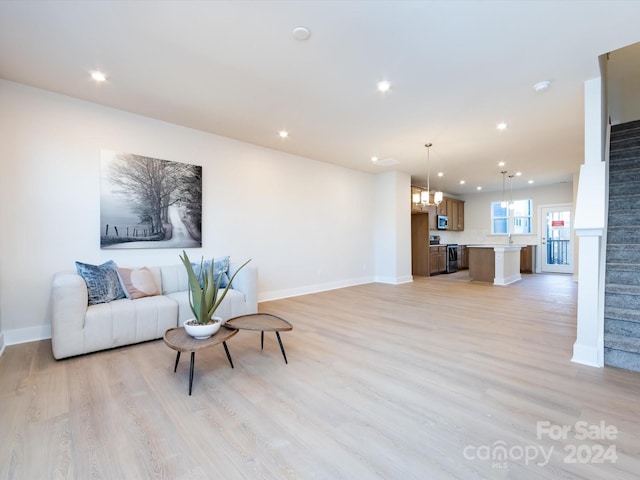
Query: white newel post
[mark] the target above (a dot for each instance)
(590, 224)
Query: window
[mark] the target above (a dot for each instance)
(517, 216)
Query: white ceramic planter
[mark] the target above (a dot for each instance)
(200, 332)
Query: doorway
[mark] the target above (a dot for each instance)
(556, 255)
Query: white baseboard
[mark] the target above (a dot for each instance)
(320, 287)
(587, 355)
(395, 280)
(1, 343)
(29, 334)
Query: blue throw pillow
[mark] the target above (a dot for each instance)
(103, 281)
(220, 268)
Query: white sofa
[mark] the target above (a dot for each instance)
(78, 328)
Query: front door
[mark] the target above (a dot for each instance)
(556, 255)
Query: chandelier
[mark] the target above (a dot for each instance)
(423, 197)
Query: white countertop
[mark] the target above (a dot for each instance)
(499, 247)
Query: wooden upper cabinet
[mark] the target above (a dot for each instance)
(456, 215)
(443, 207)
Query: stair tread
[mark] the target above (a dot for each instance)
(623, 266)
(624, 314)
(621, 342)
(622, 288)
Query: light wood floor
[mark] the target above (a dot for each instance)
(416, 381)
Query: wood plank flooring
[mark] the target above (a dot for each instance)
(441, 378)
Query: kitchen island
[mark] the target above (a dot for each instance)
(499, 264)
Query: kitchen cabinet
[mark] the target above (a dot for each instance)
(438, 259)
(526, 259)
(463, 257)
(420, 245)
(455, 209)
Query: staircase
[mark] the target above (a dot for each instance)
(622, 280)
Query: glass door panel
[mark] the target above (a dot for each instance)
(557, 240)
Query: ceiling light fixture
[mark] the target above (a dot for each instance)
(462, 182)
(301, 33)
(501, 164)
(542, 86)
(384, 86)
(478, 187)
(501, 126)
(374, 159)
(98, 76)
(503, 203)
(511, 204)
(423, 198)
(283, 134)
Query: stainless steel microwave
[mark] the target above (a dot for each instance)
(443, 222)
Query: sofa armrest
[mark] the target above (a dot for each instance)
(246, 282)
(69, 301)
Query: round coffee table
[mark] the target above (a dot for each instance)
(177, 339)
(262, 322)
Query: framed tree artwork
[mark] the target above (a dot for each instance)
(149, 203)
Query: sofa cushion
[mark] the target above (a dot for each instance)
(138, 282)
(103, 282)
(123, 322)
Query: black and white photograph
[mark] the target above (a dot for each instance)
(149, 203)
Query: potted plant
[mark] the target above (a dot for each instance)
(205, 297)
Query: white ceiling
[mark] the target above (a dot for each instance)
(233, 68)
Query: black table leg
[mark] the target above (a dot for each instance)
(281, 347)
(193, 361)
(224, 344)
(175, 367)
(262, 340)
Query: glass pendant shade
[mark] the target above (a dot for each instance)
(415, 198)
(424, 197)
(437, 198)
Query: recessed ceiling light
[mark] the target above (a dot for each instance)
(501, 164)
(501, 126)
(283, 134)
(374, 159)
(441, 174)
(518, 174)
(98, 76)
(542, 86)
(462, 182)
(384, 86)
(301, 33)
(530, 181)
(478, 187)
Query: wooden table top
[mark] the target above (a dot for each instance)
(265, 322)
(178, 339)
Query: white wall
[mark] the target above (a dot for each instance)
(393, 227)
(477, 214)
(307, 225)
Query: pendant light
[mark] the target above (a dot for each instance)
(423, 198)
(503, 203)
(424, 195)
(512, 205)
(438, 196)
